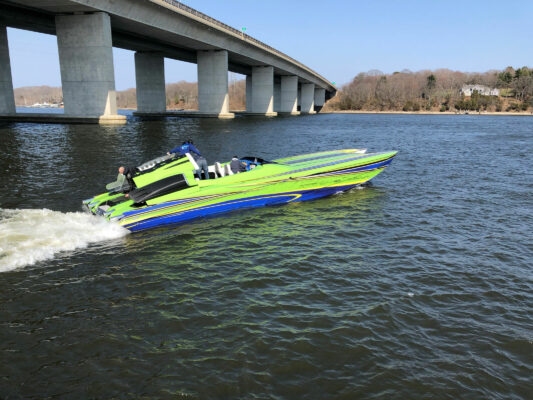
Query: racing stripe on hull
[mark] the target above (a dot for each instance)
(231, 205)
(351, 170)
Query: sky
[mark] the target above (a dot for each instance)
(336, 38)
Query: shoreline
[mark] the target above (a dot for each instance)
(491, 113)
(502, 113)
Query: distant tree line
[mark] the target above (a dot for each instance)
(28, 96)
(180, 95)
(184, 95)
(438, 90)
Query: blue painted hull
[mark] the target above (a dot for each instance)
(224, 207)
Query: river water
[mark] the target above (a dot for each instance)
(417, 286)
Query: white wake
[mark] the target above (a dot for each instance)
(30, 236)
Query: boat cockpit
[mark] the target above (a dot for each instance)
(170, 173)
(218, 170)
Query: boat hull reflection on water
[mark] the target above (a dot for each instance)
(167, 191)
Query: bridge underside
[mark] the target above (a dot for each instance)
(154, 30)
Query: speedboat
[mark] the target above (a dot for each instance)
(167, 190)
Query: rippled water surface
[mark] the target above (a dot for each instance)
(418, 286)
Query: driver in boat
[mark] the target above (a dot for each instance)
(124, 182)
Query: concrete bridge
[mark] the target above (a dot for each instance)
(87, 30)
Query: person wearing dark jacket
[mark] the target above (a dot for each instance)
(236, 165)
(188, 147)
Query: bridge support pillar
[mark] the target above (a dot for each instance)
(263, 91)
(150, 82)
(86, 61)
(308, 98)
(277, 96)
(213, 95)
(249, 93)
(289, 95)
(320, 98)
(7, 98)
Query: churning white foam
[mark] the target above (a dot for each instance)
(29, 236)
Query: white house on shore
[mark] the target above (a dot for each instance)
(467, 90)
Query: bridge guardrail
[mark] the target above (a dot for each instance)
(206, 17)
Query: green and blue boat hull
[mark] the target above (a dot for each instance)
(300, 178)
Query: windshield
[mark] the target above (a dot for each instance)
(154, 162)
(257, 160)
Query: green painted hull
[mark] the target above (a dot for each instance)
(298, 178)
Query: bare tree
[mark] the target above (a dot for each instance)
(435, 90)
